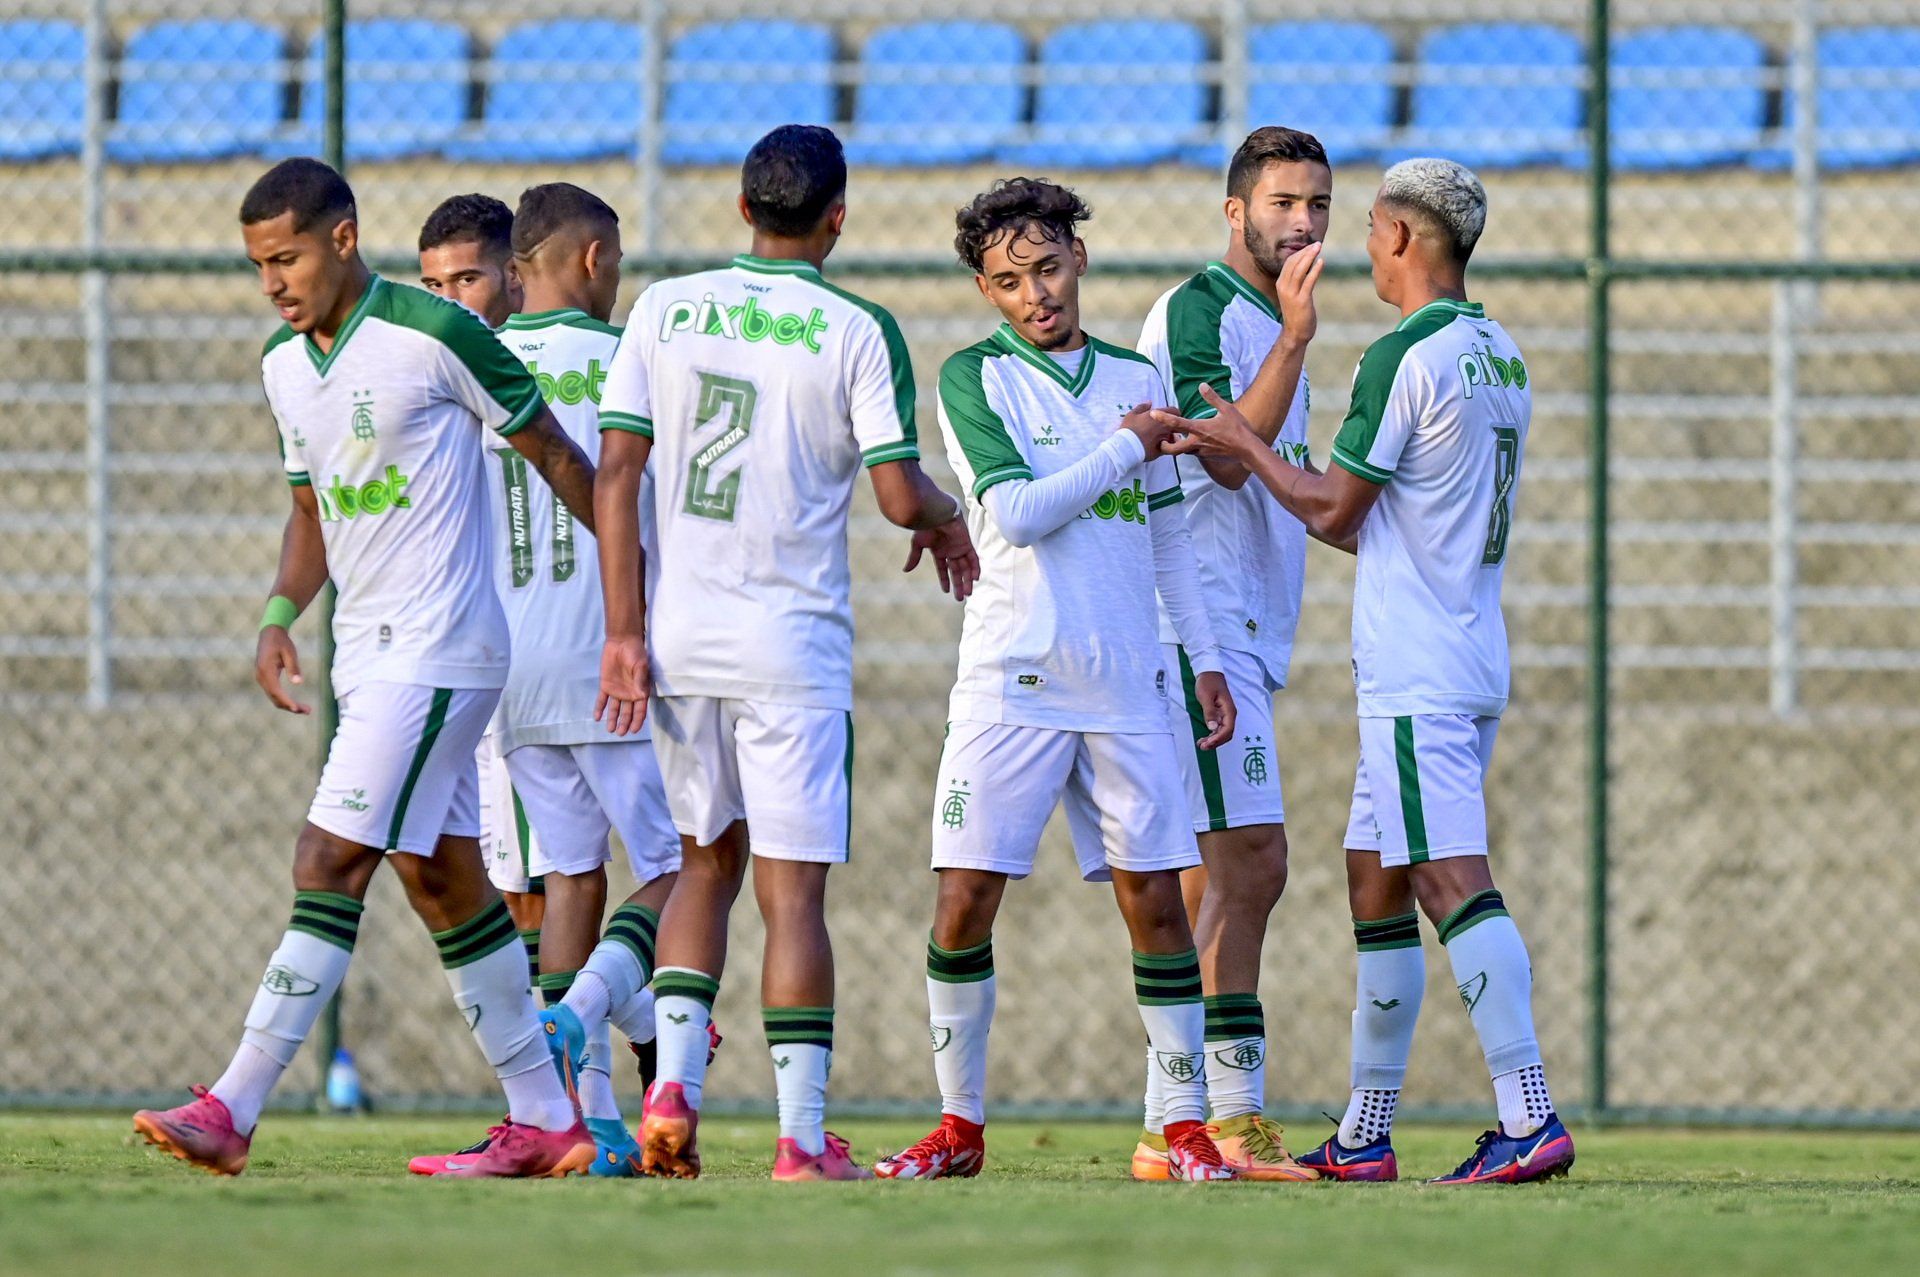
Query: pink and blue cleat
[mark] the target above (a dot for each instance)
(1370, 1163)
(1499, 1158)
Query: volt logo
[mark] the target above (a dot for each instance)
(749, 321)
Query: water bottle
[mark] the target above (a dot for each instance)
(343, 1083)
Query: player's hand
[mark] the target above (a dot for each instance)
(1225, 434)
(625, 684)
(954, 557)
(273, 656)
(1152, 433)
(1216, 704)
(1298, 275)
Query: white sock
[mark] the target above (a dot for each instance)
(1168, 988)
(634, 1017)
(1524, 1103)
(1390, 981)
(1156, 1105)
(961, 993)
(302, 976)
(596, 1078)
(486, 967)
(800, 1040)
(682, 1009)
(1369, 1116)
(1236, 1054)
(1491, 967)
(617, 969)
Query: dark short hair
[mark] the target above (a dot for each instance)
(470, 219)
(1270, 145)
(1016, 204)
(791, 178)
(313, 192)
(553, 207)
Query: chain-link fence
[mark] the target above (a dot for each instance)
(1727, 311)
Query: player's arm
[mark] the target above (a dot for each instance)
(625, 681)
(1331, 505)
(1176, 575)
(1026, 509)
(302, 573)
(550, 450)
(909, 499)
(1266, 402)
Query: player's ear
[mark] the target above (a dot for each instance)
(346, 237)
(1236, 210)
(1402, 237)
(1079, 256)
(980, 282)
(741, 204)
(592, 258)
(837, 217)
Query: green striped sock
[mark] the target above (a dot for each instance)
(1402, 932)
(531, 939)
(1474, 911)
(633, 927)
(678, 982)
(553, 985)
(798, 1026)
(486, 932)
(1166, 979)
(327, 915)
(1232, 1016)
(960, 966)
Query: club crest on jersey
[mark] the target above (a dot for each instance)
(749, 321)
(1254, 765)
(363, 416)
(953, 812)
(1181, 1068)
(288, 983)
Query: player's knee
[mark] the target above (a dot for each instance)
(327, 862)
(1442, 886)
(1378, 893)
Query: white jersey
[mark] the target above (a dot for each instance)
(1439, 416)
(387, 427)
(765, 390)
(546, 567)
(1216, 330)
(1060, 633)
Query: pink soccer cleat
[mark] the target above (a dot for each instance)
(518, 1151)
(439, 1163)
(667, 1134)
(200, 1134)
(793, 1165)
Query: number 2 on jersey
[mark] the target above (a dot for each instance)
(513, 468)
(729, 400)
(1506, 464)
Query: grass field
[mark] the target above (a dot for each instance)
(329, 1196)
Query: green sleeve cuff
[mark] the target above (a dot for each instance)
(1354, 465)
(522, 417)
(1000, 475)
(905, 450)
(1161, 500)
(300, 479)
(627, 421)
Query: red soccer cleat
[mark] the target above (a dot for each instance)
(1192, 1156)
(955, 1149)
(200, 1134)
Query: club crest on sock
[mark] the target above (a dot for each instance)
(1472, 990)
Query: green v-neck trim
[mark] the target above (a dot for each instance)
(321, 363)
(544, 318)
(1015, 344)
(1239, 284)
(1472, 310)
(775, 265)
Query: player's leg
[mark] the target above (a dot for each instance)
(1390, 981)
(1128, 820)
(997, 786)
(506, 841)
(1439, 774)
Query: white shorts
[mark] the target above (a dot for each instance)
(400, 771)
(506, 839)
(575, 796)
(1237, 784)
(787, 770)
(999, 783)
(1420, 791)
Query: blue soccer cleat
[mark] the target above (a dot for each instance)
(567, 1044)
(615, 1153)
(1369, 1163)
(1499, 1158)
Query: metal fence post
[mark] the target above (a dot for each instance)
(1599, 376)
(99, 370)
(653, 89)
(1235, 90)
(1783, 648)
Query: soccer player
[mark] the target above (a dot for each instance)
(382, 394)
(1061, 691)
(759, 391)
(1242, 326)
(1422, 489)
(466, 255)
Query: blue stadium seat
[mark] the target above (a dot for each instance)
(1497, 95)
(730, 82)
(1685, 97)
(938, 93)
(558, 91)
(1869, 100)
(1114, 94)
(201, 90)
(1330, 79)
(408, 89)
(43, 89)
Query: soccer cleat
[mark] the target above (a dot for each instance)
(200, 1134)
(955, 1149)
(567, 1044)
(667, 1134)
(1499, 1158)
(1251, 1146)
(1192, 1156)
(1371, 1163)
(435, 1163)
(517, 1151)
(1150, 1157)
(793, 1165)
(615, 1154)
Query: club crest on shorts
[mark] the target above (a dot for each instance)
(1255, 763)
(953, 812)
(1181, 1068)
(288, 983)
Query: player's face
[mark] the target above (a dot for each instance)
(1286, 211)
(604, 285)
(1382, 252)
(465, 273)
(1033, 279)
(301, 272)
